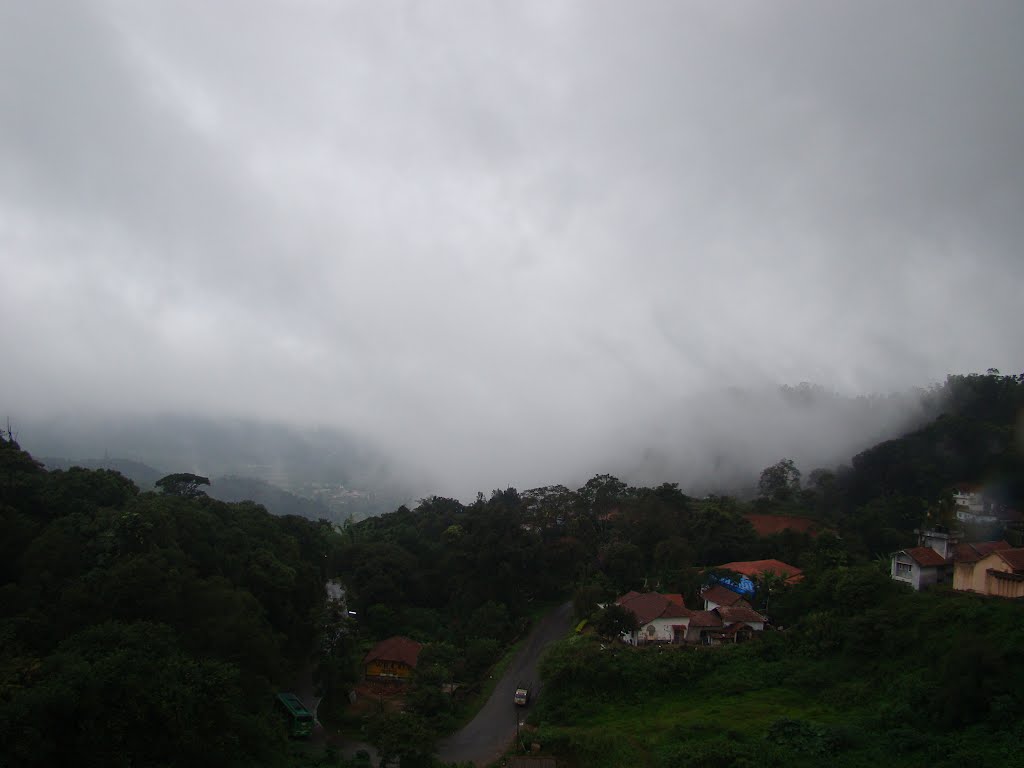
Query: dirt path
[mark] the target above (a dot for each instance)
(489, 734)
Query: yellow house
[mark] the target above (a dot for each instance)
(1000, 574)
(392, 659)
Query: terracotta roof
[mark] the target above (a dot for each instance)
(705, 619)
(926, 557)
(653, 605)
(969, 552)
(1013, 558)
(719, 594)
(754, 568)
(395, 649)
(734, 614)
(766, 525)
(734, 628)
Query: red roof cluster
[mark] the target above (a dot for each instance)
(972, 552)
(396, 648)
(648, 606)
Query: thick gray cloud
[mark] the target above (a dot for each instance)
(511, 241)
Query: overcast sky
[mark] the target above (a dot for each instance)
(497, 236)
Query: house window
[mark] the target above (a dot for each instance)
(904, 570)
(650, 630)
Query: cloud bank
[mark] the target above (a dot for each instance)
(503, 240)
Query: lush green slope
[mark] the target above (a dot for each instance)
(874, 674)
(146, 629)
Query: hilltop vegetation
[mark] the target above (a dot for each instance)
(289, 470)
(141, 628)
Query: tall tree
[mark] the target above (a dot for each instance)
(780, 482)
(183, 484)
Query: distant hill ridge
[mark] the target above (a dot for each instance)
(231, 488)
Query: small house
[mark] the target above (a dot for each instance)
(920, 567)
(716, 595)
(999, 574)
(657, 616)
(392, 659)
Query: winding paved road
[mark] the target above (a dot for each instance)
(486, 737)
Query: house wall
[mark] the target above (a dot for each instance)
(660, 630)
(980, 579)
(911, 576)
(963, 576)
(940, 541)
(986, 584)
(930, 576)
(380, 668)
(1003, 587)
(693, 633)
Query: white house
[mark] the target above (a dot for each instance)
(659, 617)
(921, 567)
(664, 619)
(971, 506)
(716, 595)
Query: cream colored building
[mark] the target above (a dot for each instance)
(999, 574)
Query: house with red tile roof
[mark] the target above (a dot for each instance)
(976, 550)
(941, 557)
(392, 659)
(725, 624)
(1000, 573)
(966, 557)
(716, 595)
(656, 614)
(920, 567)
(664, 619)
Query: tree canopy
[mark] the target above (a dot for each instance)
(183, 484)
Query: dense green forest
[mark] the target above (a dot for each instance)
(149, 628)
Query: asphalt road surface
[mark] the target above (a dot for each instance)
(489, 734)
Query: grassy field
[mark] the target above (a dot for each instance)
(638, 734)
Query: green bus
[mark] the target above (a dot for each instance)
(299, 719)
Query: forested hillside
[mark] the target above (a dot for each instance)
(144, 628)
(150, 628)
